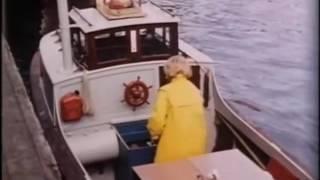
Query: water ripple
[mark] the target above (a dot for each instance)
(266, 64)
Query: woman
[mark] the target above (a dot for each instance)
(178, 117)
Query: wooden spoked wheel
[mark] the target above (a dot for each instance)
(136, 93)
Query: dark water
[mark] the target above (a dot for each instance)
(265, 55)
(21, 29)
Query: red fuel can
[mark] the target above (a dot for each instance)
(71, 107)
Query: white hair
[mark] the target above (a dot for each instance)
(177, 65)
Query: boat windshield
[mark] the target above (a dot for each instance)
(127, 44)
(112, 46)
(154, 41)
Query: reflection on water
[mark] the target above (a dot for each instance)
(265, 57)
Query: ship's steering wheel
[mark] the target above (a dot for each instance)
(136, 93)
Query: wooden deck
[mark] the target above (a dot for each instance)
(26, 154)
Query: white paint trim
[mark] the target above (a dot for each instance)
(133, 40)
(130, 118)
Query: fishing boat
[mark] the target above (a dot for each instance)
(94, 80)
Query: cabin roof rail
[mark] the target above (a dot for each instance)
(165, 8)
(81, 16)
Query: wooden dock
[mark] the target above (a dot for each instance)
(26, 154)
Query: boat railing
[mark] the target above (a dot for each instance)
(164, 8)
(81, 16)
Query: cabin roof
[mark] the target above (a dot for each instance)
(98, 22)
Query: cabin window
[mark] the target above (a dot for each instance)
(112, 46)
(155, 41)
(131, 44)
(79, 47)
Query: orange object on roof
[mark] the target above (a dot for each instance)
(120, 4)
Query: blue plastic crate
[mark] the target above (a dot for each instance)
(134, 150)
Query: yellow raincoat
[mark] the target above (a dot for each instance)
(178, 118)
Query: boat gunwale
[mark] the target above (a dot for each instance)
(261, 141)
(46, 122)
